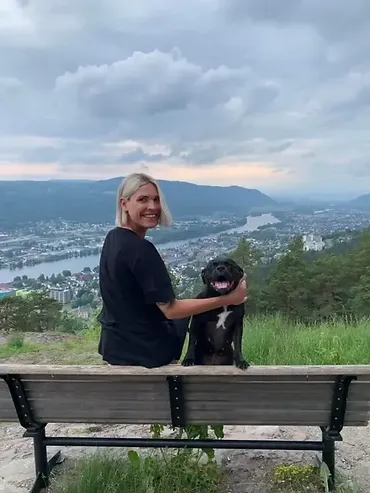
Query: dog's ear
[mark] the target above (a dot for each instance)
(206, 269)
(240, 271)
(237, 268)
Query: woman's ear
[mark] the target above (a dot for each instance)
(123, 204)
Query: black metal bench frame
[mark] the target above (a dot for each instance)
(41, 441)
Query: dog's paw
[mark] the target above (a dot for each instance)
(188, 362)
(242, 364)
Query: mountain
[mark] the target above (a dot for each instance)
(362, 202)
(94, 201)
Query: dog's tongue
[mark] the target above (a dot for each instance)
(221, 285)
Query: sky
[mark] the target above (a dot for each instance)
(265, 94)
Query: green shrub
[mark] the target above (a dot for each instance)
(15, 341)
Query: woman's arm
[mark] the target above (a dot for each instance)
(152, 275)
(178, 309)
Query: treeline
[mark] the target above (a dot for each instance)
(307, 286)
(310, 286)
(36, 312)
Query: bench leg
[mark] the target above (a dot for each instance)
(41, 461)
(328, 456)
(42, 465)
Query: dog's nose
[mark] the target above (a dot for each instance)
(220, 268)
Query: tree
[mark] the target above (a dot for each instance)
(82, 292)
(14, 313)
(17, 284)
(72, 324)
(249, 259)
(328, 287)
(287, 287)
(190, 272)
(174, 280)
(45, 312)
(35, 312)
(67, 273)
(246, 256)
(358, 273)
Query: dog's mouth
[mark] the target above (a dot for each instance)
(222, 285)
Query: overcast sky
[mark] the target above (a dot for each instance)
(266, 94)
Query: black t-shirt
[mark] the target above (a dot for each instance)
(133, 278)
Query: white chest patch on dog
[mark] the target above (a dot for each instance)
(222, 318)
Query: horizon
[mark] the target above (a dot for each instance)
(219, 93)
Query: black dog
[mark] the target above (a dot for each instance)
(213, 334)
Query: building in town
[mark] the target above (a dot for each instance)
(62, 295)
(5, 292)
(313, 242)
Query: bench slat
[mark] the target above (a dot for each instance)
(224, 378)
(300, 397)
(174, 370)
(280, 418)
(138, 402)
(234, 391)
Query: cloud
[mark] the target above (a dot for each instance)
(146, 85)
(138, 155)
(333, 19)
(268, 89)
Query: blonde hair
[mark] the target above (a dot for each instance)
(128, 187)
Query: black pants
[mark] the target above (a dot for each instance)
(177, 330)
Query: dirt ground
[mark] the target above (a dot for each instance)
(250, 471)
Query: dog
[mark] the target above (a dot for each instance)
(215, 337)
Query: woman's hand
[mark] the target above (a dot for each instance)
(238, 296)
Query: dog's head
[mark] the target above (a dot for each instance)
(222, 275)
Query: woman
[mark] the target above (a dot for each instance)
(142, 321)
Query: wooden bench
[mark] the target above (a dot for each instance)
(329, 397)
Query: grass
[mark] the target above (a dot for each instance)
(76, 350)
(267, 341)
(9, 350)
(112, 473)
(289, 478)
(275, 341)
(63, 353)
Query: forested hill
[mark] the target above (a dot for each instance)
(362, 202)
(94, 201)
(310, 287)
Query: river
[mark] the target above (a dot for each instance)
(76, 264)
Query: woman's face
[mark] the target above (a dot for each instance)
(143, 208)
